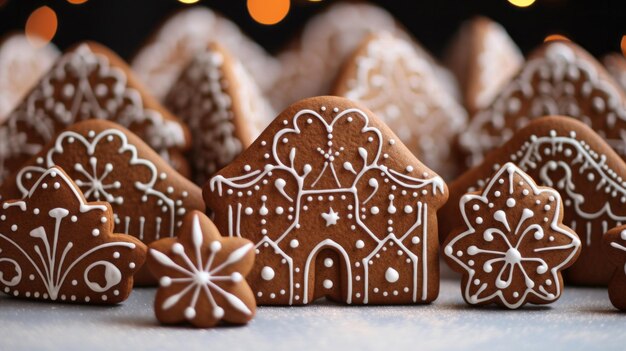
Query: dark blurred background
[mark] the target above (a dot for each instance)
(123, 25)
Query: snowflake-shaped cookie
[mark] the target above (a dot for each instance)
(56, 246)
(202, 275)
(614, 245)
(515, 245)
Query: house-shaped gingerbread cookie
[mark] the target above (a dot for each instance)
(337, 207)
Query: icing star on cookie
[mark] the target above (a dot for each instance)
(56, 246)
(514, 245)
(202, 276)
(337, 207)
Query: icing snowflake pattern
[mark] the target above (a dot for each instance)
(402, 88)
(66, 95)
(52, 259)
(512, 252)
(124, 179)
(325, 185)
(195, 277)
(560, 81)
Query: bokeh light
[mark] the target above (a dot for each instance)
(268, 11)
(553, 37)
(189, 1)
(622, 45)
(41, 26)
(77, 2)
(522, 3)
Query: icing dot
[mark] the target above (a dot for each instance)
(14, 227)
(103, 219)
(476, 207)
(328, 262)
(279, 210)
(479, 220)
(74, 218)
(510, 202)
(546, 207)
(294, 243)
(391, 275)
(360, 244)
(328, 284)
(267, 273)
(248, 211)
(408, 209)
(374, 210)
(415, 240)
(95, 232)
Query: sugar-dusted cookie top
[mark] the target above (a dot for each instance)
(483, 58)
(400, 85)
(336, 205)
(568, 156)
(513, 245)
(54, 245)
(109, 163)
(223, 107)
(88, 82)
(202, 276)
(22, 64)
(310, 64)
(187, 33)
(559, 78)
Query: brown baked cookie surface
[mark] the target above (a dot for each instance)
(202, 276)
(222, 106)
(614, 242)
(400, 85)
(336, 205)
(107, 162)
(483, 58)
(558, 78)
(54, 245)
(616, 66)
(513, 245)
(564, 154)
(88, 82)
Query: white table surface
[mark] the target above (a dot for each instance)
(583, 319)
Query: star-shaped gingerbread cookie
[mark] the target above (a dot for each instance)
(202, 276)
(54, 245)
(514, 245)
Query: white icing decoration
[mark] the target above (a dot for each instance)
(391, 275)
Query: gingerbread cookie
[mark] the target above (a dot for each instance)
(483, 58)
(223, 107)
(108, 163)
(400, 85)
(186, 34)
(336, 205)
(513, 245)
(311, 63)
(56, 246)
(616, 66)
(568, 156)
(202, 275)
(88, 82)
(22, 64)
(559, 78)
(614, 242)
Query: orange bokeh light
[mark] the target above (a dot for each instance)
(77, 2)
(41, 26)
(268, 11)
(553, 37)
(622, 45)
